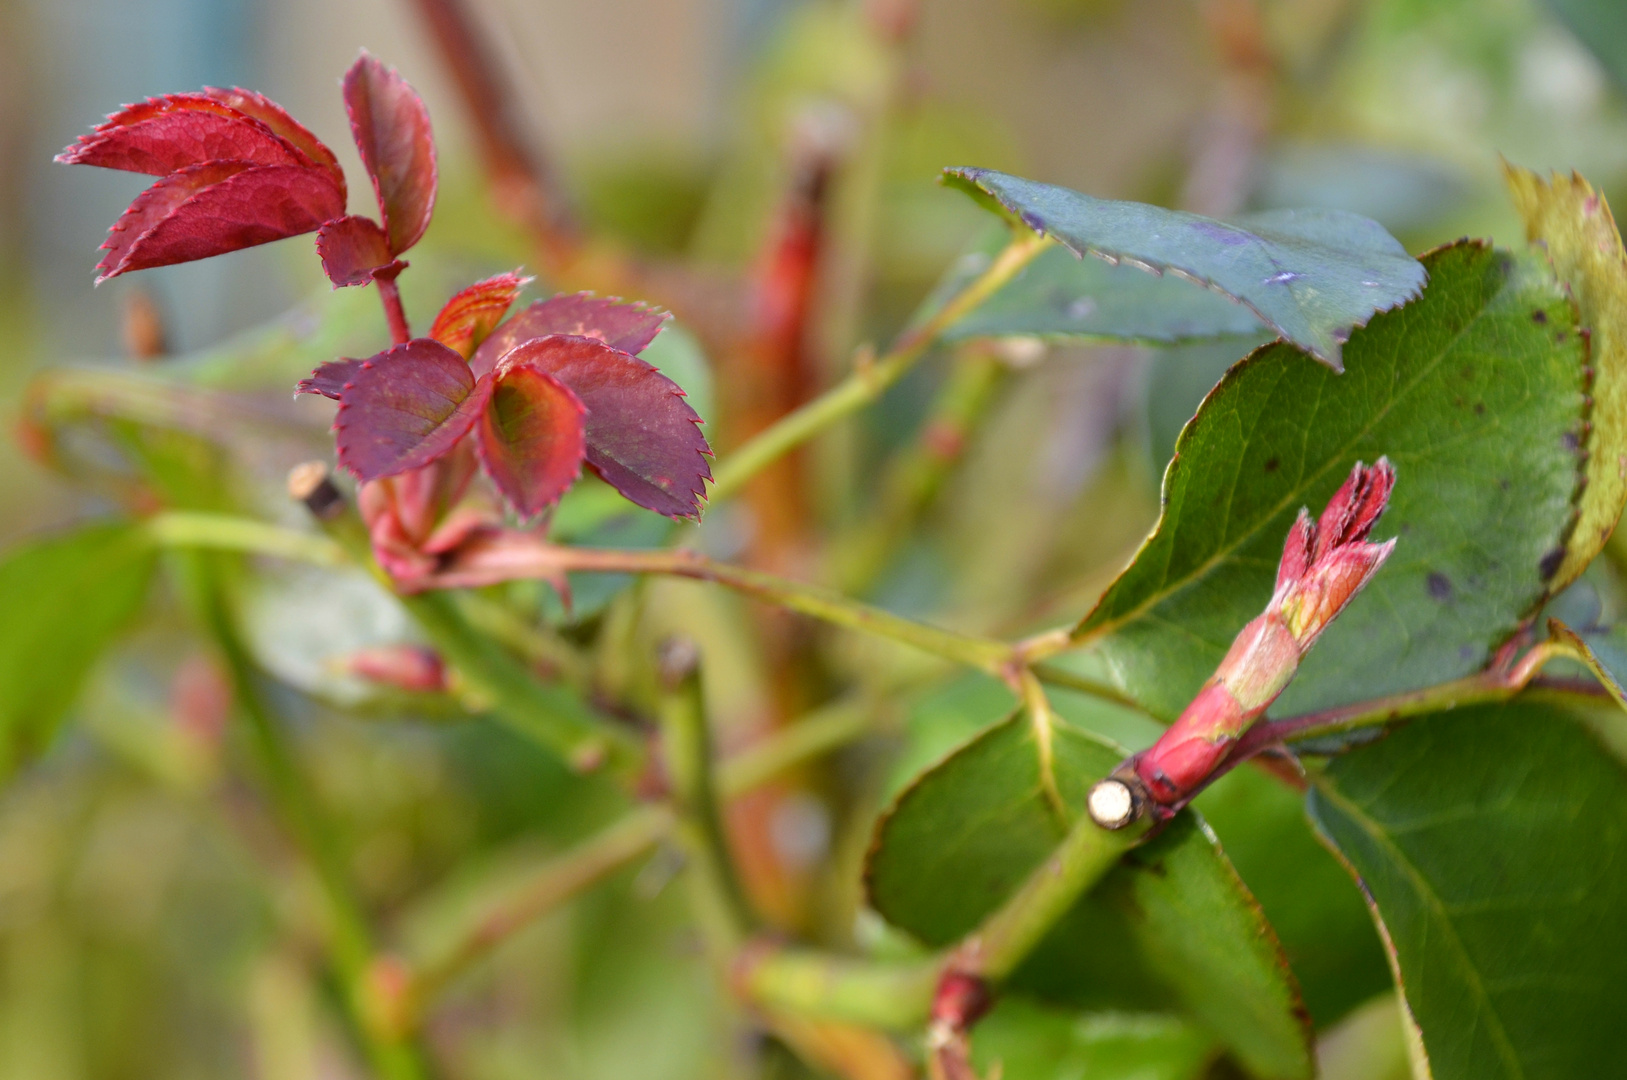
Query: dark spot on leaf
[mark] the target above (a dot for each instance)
(1480, 408)
(1539, 316)
(1466, 652)
(1559, 338)
(1440, 586)
(1549, 566)
(1271, 464)
(1033, 221)
(1505, 483)
(1570, 441)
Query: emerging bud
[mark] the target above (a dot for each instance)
(1324, 565)
(413, 668)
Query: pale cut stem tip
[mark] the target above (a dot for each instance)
(1112, 804)
(312, 484)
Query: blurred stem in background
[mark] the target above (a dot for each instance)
(348, 931)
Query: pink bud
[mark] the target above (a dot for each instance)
(406, 667)
(1324, 565)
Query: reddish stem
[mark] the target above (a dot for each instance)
(525, 184)
(390, 297)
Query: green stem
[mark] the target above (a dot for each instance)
(349, 935)
(549, 715)
(232, 532)
(1006, 937)
(915, 476)
(899, 996)
(1480, 688)
(995, 657)
(536, 644)
(1063, 679)
(869, 382)
(686, 749)
(816, 734)
(822, 986)
(518, 906)
(513, 906)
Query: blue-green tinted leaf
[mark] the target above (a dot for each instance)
(1310, 275)
(1493, 841)
(1061, 295)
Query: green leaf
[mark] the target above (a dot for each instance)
(1317, 912)
(1031, 1042)
(1171, 927)
(66, 598)
(1573, 225)
(1493, 842)
(1178, 379)
(1310, 275)
(1479, 405)
(1061, 295)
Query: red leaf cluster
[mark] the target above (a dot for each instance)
(235, 170)
(552, 389)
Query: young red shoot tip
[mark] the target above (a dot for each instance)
(1324, 565)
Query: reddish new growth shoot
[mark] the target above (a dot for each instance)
(530, 401)
(1324, 565)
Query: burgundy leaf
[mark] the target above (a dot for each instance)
(273, 116)
(330, 379)
(216, 207)
(471, 315)
(618, 323)
(642, 436)
(531, 434)
(354, 251)
(161, 135)
(406, 407)
(391, 128)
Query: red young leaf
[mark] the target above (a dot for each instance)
(471, 315)
(406, 407)
(618, 323)
(391, 127)
(531, 434)
(161, 135)
(329, 380)
(216, 207)
(354, 251)
(273, 116)
(642, 436)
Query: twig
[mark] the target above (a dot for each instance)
(553, 717)
(527, 187)
(350, 937)
(558, 879)
(868, 382)
(916, 474)
(541, 559)
(231, 532)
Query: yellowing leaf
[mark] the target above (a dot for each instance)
(1573, 223)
